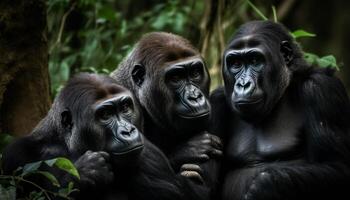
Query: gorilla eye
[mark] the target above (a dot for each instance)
(196, 73)
(105, 114)
(236, 63)
(254, 61)
(233, 61)
(126, 106)
(175, 78)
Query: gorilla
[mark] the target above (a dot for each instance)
(96, 123)
(284, 123)
(169, 80)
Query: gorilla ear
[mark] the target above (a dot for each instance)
(66, 119)
(138, 74)
(287, 52)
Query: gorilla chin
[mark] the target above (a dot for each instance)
(248, 108)
(204, 113)
(127, 157)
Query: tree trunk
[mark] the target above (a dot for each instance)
(24, 78)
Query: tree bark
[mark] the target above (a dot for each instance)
(24, 78)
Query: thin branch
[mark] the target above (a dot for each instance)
(63, 22)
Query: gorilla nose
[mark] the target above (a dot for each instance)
(194, 95)
(244, 87)
(127, 133)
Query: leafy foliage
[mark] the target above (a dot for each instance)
(10, 186)
(94, 36)
(5, 139)
(311, 58)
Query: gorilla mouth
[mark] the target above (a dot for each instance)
(248, 101)
(195, 115)
(129, 150)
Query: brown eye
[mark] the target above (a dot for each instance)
(105, 114)
(126, 107)
(175, 78)
(254, 61)
(196, 73)
(236, 63)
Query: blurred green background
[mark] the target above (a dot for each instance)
(95, 35)
(44, 42)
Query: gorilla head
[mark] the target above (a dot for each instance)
(99, 115)
(169, 79)
(257, 68)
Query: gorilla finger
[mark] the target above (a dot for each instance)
(195, 176)
(191, 167)
(88, 152)
(89, 182)
(93, 155)
(111, 176)
(216, 141)
(206, 141)
(216, 153)
(203, 157)
(109, 167)
(104, 154)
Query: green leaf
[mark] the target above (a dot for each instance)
(328, 61)
(5, 139)
(325, 61)
(311, 58)
(64, 73)
(8, 193)
(35, 195)
(66, 165)
(301, 33)
(31, 167)
(51, 177)
(51, 162)
(274, 14)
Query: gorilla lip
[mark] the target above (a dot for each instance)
(194, 116)
(248, 102)
(137, 147)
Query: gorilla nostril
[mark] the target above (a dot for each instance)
(125, 133)
(247, 85)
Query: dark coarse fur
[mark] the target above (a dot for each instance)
(147, 176)
(306, 106)
(156, 52)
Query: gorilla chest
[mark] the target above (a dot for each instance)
(276, 138)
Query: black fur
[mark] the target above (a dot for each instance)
(294, 145)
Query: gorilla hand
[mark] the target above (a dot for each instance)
(94, 169)
(268, 178)
(198, 149)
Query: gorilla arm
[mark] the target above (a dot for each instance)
(200, 150)
(155, 179)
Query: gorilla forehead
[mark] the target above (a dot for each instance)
(157, 48)
(256, 31)
(85, 89)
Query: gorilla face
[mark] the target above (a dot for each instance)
(186, 82)
(255, 74)
(104, 117)
(116, 115)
